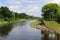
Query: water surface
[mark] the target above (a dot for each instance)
(21, 31)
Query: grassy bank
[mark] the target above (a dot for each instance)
(2, 23)
(19, 20)
(35, 23)
(53, 25)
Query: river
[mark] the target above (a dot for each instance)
(21, 31)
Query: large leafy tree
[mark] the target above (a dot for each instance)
(6, 12)
(50, 11)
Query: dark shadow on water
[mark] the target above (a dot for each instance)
(50, 36)
(4, 30)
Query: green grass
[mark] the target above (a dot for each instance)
(2, 23)
(53, 25)
(35, 23)
(18, 20)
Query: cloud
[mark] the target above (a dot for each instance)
(17, 2)
(55, 1)
(14, 2)
(14, 8)
(14, 5)
(31, 7)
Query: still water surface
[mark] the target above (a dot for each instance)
(21, 31)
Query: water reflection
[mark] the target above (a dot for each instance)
(4, 30)
(58, 36)
(50, 36)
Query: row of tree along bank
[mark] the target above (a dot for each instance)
(8, 16)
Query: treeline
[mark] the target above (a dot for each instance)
(51, 12)
(7, 15)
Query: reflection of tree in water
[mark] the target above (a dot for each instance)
(4, 30)
(46, 36)
(58, 36)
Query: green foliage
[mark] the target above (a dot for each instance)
(5, 12)
(22, 15)
(16, 15)
(36, 22)
(7, 15)
(53, 25)
(50, 11)
(58, 19)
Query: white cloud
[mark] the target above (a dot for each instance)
(14, 2)
(14, 5)
(55, 1)
(17, 2)
(14, 8)
(31, 7)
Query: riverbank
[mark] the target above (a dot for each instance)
(35, 23)
(2, 23)
(51, 26)
(40, 27)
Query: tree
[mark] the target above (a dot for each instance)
(50, 11)
(22, 15)
(5, 13)
(58, 16)
(16, 15)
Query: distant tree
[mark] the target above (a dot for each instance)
(22, 15)
(7, 15)
(50, 11)
(16, 15)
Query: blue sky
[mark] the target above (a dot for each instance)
(30, 7)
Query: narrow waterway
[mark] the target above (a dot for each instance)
(21, 31)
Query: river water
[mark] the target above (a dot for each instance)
(21, 31)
